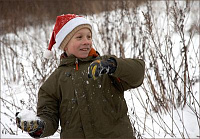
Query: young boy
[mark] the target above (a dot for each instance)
(86, 92)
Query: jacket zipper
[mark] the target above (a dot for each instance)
(76, 62)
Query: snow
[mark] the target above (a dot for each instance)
(27, 115)
(190, 128)
(149, 120)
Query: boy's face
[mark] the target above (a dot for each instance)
(80, 44)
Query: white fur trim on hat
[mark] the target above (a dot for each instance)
(68, 27)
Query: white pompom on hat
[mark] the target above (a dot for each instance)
(65, 27)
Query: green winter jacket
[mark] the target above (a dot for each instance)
(88, 108)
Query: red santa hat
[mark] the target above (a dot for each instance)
(65, 27)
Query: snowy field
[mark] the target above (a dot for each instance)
(183, 121)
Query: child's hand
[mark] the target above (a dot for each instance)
(32, 124)
(99, 67)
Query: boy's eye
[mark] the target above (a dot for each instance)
(79, 37)
(89, 37)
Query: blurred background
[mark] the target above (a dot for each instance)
(21, 13)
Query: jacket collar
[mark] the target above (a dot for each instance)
(68, 60)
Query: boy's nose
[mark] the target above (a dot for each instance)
(86, 41)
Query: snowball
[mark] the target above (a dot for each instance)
(27, 115)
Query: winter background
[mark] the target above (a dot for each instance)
(163, 33)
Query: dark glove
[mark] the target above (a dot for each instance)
(34, 127)
(99, 67)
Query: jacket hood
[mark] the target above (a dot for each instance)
(68, 60)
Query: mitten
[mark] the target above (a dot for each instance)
(29, 122)
(99, 67)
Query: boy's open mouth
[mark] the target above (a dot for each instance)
(84, 49)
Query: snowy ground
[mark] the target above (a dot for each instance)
(190, 128)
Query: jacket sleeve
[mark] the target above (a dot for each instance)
(130, 72)
(48, 106)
